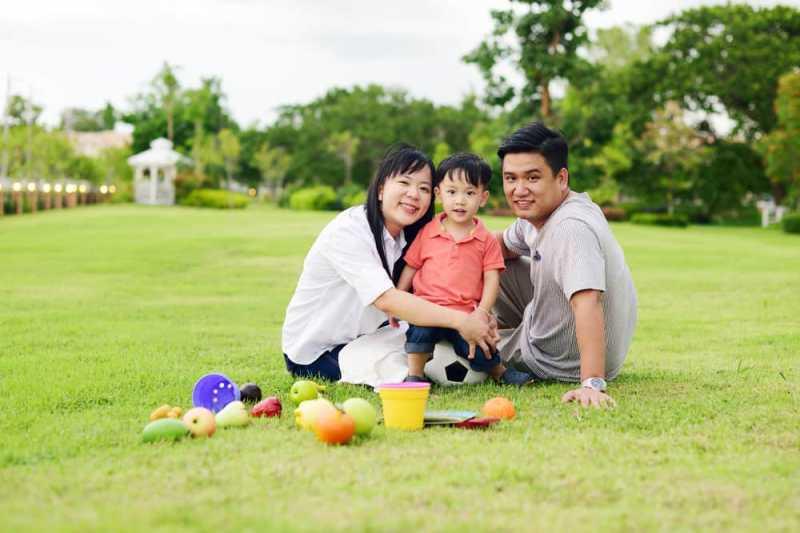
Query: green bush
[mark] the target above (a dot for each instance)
(791, 223)
(657, 219)
(216, 198)
(319, 198)
(351, 195)
(286, 194)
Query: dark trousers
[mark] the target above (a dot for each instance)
(420, 339)
(326, 366)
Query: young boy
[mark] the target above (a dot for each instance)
(455, 262)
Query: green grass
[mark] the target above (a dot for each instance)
(107, 312)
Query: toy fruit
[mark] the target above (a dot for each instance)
(250, 393)
(364, 415)
(164, 429)
(268, 407)
(305, 390)
(200, 421)
(161, 412)
(175, 412)
(233, 415)
(334, 427)
(499, 407)
(308, 411)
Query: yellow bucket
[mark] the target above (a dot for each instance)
(404, 404)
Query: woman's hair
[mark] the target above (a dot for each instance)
(400, 158)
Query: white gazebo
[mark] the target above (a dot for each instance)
(154, 173)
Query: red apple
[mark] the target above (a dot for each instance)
(268, 407)
(200, 421)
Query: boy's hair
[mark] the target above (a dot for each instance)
(538, 138)
(475, 170)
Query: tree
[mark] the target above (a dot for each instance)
(21, 110)
(166, 87)
(344, 145)
(726, 59)
(675, 149)
(547, 36)
(230, 149)
(200, 108)
(273, 164)
(781, 147)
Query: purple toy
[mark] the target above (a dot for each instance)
(214, 391)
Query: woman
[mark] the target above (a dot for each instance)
(346, 289)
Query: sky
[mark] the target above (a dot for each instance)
(268, 53)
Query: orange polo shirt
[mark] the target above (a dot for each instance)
(450, 273)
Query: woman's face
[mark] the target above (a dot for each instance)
(405, 198)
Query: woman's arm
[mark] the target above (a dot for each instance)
(474, 327)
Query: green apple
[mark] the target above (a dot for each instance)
(363, 414)
(306, 414)
(233, 415)
(305, 390)
(164, 429)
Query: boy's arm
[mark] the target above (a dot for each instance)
(404, 283)
(491, 286)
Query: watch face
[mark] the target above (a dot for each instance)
(598, 384)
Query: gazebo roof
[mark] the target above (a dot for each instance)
(160, 154)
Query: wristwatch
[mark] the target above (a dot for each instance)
(598, 384)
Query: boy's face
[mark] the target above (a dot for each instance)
(460, 199)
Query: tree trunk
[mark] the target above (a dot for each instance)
(348, 167)
(544, 107)
(169, 123)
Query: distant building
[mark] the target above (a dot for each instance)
(154, 173)
(92, 143)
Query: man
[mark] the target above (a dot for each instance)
(567, 307)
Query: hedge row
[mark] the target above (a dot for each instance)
(324, 198)
(655, 219)
(216, 198)
(791, 223)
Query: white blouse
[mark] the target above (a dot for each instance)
(342, 277)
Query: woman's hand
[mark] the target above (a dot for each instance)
(393, 322)
(475, 328)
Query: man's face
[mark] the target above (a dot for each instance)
(531, 189)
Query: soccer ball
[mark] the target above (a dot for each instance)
(447, 368)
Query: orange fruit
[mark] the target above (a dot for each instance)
(499, 407)
(334, 427)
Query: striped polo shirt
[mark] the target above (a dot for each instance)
(574, 250)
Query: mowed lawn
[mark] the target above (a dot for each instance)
(107, 312)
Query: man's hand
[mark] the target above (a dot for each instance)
(393, 322)
(587, 396)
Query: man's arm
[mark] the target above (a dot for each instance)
(507, 254)
(587, 307)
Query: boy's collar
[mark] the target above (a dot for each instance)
(477, 232)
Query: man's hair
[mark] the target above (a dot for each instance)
(537, 138)
(475, 170)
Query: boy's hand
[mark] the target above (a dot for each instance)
(393, 322)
